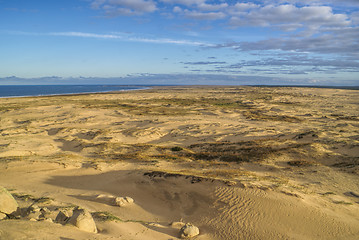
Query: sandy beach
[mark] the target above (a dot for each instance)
(237, 162)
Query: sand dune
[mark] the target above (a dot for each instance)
(238, 162)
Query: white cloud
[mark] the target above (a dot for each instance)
(136, 5)
(177, 9)
(306, 25)
(242, 7)
(184, 2)
(289, 15)
(212, 7)
(319, 2)
(204, 15)
(85, 35)
(199, 9)
(339, 41)
(125, 7)
(132, 39)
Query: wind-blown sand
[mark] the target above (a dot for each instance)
(250, 163)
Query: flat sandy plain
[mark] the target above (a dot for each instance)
(238, 162)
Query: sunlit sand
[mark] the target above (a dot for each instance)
(237, 162)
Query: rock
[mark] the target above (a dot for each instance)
(123, 201)
(8, 204)
(62, 218)
(108, 199)
(189, 231)
(129, 200)
(2, 216)
(34, 215)
(104, 196)
(45, 213)
(33, 208)
(16, 215)
(33, 212)
(82, 219)
(45, 210)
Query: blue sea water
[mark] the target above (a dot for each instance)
(45, 90)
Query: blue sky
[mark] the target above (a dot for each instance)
(179, 41)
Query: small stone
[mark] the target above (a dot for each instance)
(189, 231)
(82, 219)
(123, 201)
(8, 204)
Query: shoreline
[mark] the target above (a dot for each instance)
(74, 94)
(175, 86)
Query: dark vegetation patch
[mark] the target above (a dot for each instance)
(343, 202)
(192, 178)
(306, 134)
(246, 151)
(27, 197)
(262, 116)
(108, 217)
(164, 106)
(105, 216)
(352, 194)
(140, 107)
(13, 158)
(176, 149)
(287, 103)
(9, 107)
(350, 164)
(299, 163)
(348, 118)
(327, 193)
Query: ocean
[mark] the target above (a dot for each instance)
(46, 90)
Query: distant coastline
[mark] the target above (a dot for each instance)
(10, 91)
(7, 91)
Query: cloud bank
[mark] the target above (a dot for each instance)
(306, 25)
(176, 79)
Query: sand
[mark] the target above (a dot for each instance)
(237, 162)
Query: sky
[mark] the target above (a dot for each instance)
(293, 42)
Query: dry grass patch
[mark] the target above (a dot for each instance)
(262, 116)
(246, 151)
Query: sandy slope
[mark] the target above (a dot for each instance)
(254, 163)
